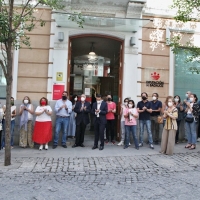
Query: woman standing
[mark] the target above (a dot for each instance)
(43, 127)
(191, 119)
(131, 114)
(180, 109)
(26, 123)
(72, 121)
(169, 130)
(110, 120)
(123, 108)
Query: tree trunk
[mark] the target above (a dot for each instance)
(9, 79)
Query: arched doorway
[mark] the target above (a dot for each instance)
(102, 73)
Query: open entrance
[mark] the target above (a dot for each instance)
(95, 66)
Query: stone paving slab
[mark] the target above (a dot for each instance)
(113, 173)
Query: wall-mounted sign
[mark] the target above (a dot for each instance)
(57, 91)
(154, 82)
(59, 76)
(78, 82)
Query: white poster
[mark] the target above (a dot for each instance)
(78, 83)
(87, 91)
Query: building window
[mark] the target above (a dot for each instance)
(186, 76)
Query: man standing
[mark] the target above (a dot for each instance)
(144, 110)
(82, 109)
(99, 110)
(156, 106)
(63, 108)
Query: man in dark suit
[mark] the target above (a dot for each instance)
(99, 110)
(82, 108)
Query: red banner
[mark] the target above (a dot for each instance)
(57, 91)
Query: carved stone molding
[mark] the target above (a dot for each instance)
(134, 10)
(113, 34)
(131, 50)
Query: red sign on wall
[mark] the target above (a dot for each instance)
(57, 91)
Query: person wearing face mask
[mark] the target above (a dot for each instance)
(169, 130)
(187, 95)
(192, 111)
(99, 110)
(42, 133)
(131, 114)
(110, 116)
(180, 109)
(123, 108)
(82, 109)
(144, 110)
(63, 109)
(13, 114)
(26, 123)
(156, 106)
(72, 120)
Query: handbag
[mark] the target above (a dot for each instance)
(160, 119)
(189, 119)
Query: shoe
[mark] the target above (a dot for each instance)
(12, 147)
(137, 148)
(82, 145)
(113, 141)
(121, 143)
(101, 147)
(74, 146)
(192, 147)
(198, 140)
(46, 147)
(151, 146)
(129, 144)
(106, 141)
(125, 147)
(41, 147)
(188, 146)
(3, 148)
(156, 142)
(94, 147)
(54, 146)
(177, 142)
(64, 146)
(140, 144)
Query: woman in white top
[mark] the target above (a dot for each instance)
(13, 114)
(43, 126)
(26, 123)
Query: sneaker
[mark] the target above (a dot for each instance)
(151, 146)
(46, 146)
(54, 146)
(41, 147)
(198, 140)
(113, 142)
(106, 141)
(129, 144)
(121, 143)
(64, 146)
(140, 144)
(125, 147)
(12, 147)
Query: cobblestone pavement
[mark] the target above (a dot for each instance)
(115, 177)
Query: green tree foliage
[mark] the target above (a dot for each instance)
(15, 21)
(187, 11)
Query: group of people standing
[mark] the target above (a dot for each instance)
(73, 117)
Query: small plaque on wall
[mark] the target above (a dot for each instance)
(59, 76)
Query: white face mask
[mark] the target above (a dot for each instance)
(82, 98)
(170, 104)
(75, 99)
(25, 101)
(98, 101)
(125, 103)
(176, 99)
(130, 105)
(191, 99)
(186, 95)
(154, 98)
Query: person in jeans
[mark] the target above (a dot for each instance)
(156, 106)
(192, 111)
(123, 108)
(130, 115)
(63, 108)
(144, 110)
(110, 116)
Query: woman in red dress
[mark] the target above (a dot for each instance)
(43, 126)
